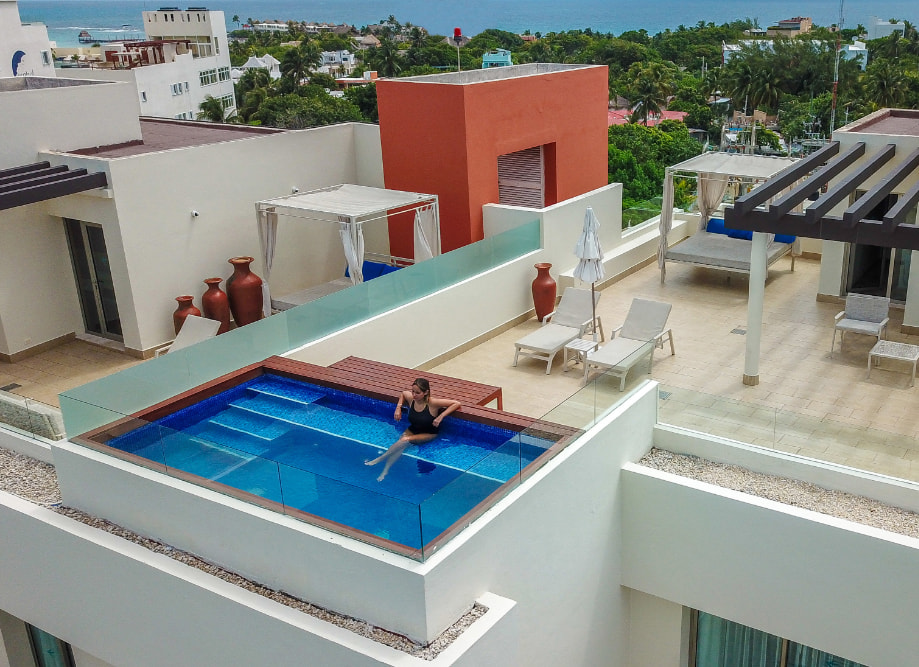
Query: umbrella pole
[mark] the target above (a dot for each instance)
(593, 306)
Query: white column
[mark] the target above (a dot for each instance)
(755, 308)
(911, 312)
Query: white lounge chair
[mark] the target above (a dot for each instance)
(864, 314)
(571, 319)
(194, 330)
(642, 332)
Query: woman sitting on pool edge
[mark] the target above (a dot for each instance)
(424, 417)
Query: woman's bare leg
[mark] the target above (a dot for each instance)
(395, 450)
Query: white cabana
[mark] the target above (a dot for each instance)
(350, 207)
(713, 172)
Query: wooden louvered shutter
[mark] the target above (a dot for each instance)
(520, 178)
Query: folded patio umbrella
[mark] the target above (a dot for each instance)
(590, 259)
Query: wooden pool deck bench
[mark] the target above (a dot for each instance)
(464, 391)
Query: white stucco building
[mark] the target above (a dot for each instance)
(878, 28)
(24, 47)
(184, 60)
(589, 560)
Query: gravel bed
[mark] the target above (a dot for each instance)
(788, 491)
(37, 482)
(27, 478)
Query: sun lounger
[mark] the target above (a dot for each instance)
(642, 332)
(194, 330)
(572, 319)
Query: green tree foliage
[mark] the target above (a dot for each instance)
(314, 108)
(211, 109)
(365, 99)
(386, 58)
(651, 85)
(490, 39)
(638, 156)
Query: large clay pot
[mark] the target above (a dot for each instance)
(186, 308)
(216, 304)
(543, 291)
(245, 291)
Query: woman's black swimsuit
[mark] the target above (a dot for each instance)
(421, 421)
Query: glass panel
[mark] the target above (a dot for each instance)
(723, 643)
(900, 276)
(157, 379)
(869, 268)
(104, 282)
(804, 656)
(49, 651)
(357, 507)
(83, 275)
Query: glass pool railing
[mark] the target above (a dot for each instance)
(158, 379)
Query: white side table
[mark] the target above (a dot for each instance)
(578, 348)
(886, 349)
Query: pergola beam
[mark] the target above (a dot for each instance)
(847, 186)
(867, 202)
(785, 178)
(820, 178)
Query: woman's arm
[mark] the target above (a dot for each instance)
(406, 397)
(446, 406)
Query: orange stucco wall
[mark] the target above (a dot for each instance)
(445, 139)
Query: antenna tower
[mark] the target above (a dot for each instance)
(836, 67)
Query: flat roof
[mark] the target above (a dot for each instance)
(161, 134)
(492, 73)
(902, 122)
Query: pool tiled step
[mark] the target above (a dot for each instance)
(365, 429)
(251, 423)
(287, 390)
(233, 438)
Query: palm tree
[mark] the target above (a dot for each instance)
(236, 19)
(297, 63)
(651, 86)
(885, 84)
(211, 109)
(385, 59)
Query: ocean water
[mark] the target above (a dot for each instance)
(66, 18)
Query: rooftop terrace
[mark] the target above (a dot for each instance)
(806, 403)
(160, 135)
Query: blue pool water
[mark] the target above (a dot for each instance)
(304, 446)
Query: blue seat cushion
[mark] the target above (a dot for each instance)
(373, 270)
(740, 234)
(715, 226)
(785, 238)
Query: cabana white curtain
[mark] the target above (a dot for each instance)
(425, 234)
(665, 224)
(352, 240)
(268, 238)
(711, 189)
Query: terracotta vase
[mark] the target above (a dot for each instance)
(186, 308)
(216, 304)
(543, 291)
(244, 289)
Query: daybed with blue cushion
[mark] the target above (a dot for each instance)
(726, 249)
(370, 270)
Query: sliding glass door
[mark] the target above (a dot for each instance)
(94, 278)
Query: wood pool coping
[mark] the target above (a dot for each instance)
(466, 392)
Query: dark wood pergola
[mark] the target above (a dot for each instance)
(40, 181)
(753, 211)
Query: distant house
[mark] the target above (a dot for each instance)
(621, 117)
(528, 38)
(267, 61)
(791, 27)
(338, 62)
(367, 41)
(269, 26)
(848, 51)
(878, 28)
(346, 82)
(496, 58)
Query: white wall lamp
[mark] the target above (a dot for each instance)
(195, 214)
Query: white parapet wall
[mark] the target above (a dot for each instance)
(123, 604)
(552, 546)
(838, 586)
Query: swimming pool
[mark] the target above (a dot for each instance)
(297, 443)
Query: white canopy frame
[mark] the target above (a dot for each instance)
(713, 172)
(352, 206)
